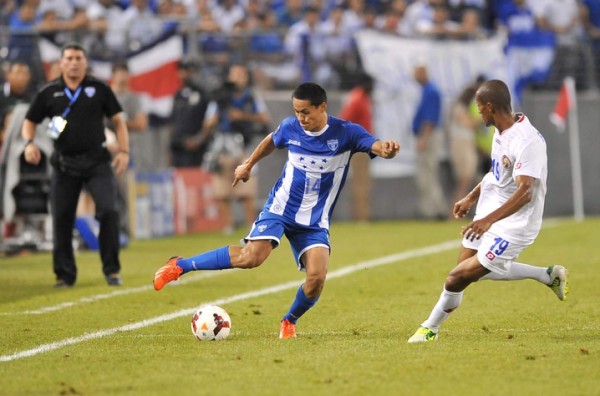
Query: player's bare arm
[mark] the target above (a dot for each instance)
(264, 148)
(386, 150)
(462, 207)
(521, 197)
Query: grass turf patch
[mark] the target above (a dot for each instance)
(507, 337)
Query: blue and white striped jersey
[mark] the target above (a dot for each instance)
(316, 169)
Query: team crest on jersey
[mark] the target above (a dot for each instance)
(261, 228)
(333, 144)
(90, 91)
(490, 256)
(506, 162)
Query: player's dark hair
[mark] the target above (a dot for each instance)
(312, 92)
(496, 92)
(72, 46)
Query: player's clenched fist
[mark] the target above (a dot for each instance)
(389, 149)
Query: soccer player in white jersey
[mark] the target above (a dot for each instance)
(300, 203)
(510, 204)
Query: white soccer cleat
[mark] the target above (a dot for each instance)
(423, 334)
(559, 282)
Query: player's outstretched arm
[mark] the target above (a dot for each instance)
(264, 148)
(386, 150)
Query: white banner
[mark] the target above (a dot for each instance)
(390, 60)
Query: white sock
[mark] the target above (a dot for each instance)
(447, 303)
(519, 271)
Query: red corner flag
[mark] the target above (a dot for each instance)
(563, 105)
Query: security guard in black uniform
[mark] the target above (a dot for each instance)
(77, 104)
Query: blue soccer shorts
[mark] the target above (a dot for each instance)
(270, 226)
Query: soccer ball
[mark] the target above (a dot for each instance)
(211, 322)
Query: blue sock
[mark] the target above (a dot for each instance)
(300, 305)
(217, 259)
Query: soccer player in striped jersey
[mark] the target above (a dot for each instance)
(300, 203)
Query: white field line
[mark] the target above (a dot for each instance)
(433, 249)
(126, 291)
(120, 292)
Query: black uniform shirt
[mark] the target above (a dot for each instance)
(85, 122)
(189, 110)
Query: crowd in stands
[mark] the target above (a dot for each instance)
(280, 43)
(287, 41)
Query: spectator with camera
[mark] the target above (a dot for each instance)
(243, 115)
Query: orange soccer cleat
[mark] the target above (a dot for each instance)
(287, 329)
(167, 273)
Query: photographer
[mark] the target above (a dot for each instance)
(243, 115)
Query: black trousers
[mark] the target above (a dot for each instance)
(101, 183)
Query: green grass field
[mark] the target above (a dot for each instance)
(507, 337)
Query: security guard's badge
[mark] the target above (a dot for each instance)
(56, 126)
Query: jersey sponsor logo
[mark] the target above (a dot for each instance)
(519, 165)
(294, 142)
(261, 228)
(90, 91)
(332, 144)
(506, 162)
(57, 94)
(490, 256)
(276, 209)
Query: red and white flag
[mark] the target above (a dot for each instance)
(564, 104)
(153, 71)
(154, 74)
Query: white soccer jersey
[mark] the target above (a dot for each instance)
(519, 150)
(316, 169)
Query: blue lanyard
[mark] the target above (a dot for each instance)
(72, 99)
